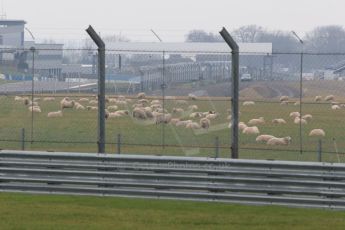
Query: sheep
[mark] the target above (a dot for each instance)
(284, 98)
(123, 112)
(229, 117)
(121, 102)
(264, 138)
(295, 114)
(193, 125)
(155, 102)
(37, 99)
(84, 99)
(329, 98)
(35, 109)
(205, 123)
(112, 100)
(18, 98)
(174, 121)
(297, 103)
(139, 114)
(284, 103)
(183, 123)
(298, 121)
(317, 133)
(318, 98)
(251, 130)
(278, 121)
(177, 111)
(55, 114)
(192, 97)
(91, 107)
(79, 106)
(196, 115)
(259, 121)
(66, 104)
(279, 141)
(163, 118)
(141, 95)
(33, 103)
(193, 107)
(49, 99)
(212, 116)
(335, 107)
(112, 107)
(143, 101)
(307, 117)
(93, 102)
(248, 103)
(242, 126)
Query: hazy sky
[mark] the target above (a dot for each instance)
(171, 19)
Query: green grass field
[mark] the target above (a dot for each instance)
(76, 131)
(37, 212)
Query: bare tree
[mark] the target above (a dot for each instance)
(249, 33)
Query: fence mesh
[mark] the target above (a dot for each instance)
(185, 108)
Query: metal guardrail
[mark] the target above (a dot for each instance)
(320, 185)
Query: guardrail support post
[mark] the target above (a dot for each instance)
(216, 143)
(319, 151)
(22, 138)
(234, 92)
(118, 143)
(101, 88)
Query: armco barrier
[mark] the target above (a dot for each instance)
(299, 184)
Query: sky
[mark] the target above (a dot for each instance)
(66, 20)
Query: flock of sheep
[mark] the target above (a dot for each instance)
(183, 114)
(251, 128)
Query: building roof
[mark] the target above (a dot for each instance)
(12, 22)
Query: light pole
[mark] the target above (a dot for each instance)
(301, 91)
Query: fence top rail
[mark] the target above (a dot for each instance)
(167, 159)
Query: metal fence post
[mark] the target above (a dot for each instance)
(101, 88)
(319, 151)
(163, 86)
(22, 137)
(32, 49)
(235, 91)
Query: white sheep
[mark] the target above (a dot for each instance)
(242, 126)
(297, 103)
(264, 138)
(139, 114)
(298, 121)
(205, 123)
(93, 102)
(259, 121)
(163, 118)
(144, 101)
(318, 98)
(155, 102)
(251, 130)
(196, 115)
(335, 107)
(177, 111)
(192, 96)
(212, 116)
(55, 114)
(295, 114)
(317, 133)
(307, 117)
(193, 107)
(112, 107)
(183, 123)
(284, 98)
(248, 103)
(193, 125)
(329, 98)
(278, 121)
(35, 109)
(66, 103)
(49, 99)
(279, 141)
(92, 108)
(79, 106)
(174, 121)
(141, 95)
(121, 103)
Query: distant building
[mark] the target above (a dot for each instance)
(12, 33)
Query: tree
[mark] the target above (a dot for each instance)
(326, 39)
(249, 33)
(202, 36)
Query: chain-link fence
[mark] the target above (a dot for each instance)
(174, 103)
